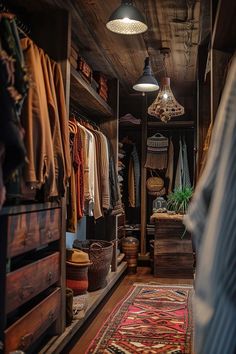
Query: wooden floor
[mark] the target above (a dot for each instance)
(81, 342)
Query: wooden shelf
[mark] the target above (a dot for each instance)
(223, 36)
(83, 94)
(172, 124)
(58, 343)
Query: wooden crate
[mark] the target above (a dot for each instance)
(173, 256)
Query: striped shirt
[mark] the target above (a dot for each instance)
(212, 220)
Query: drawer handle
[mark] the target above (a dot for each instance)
(51, 316)
(27, 237)
(50, 276)
(26, 291)
(50, 235)
(26, 340)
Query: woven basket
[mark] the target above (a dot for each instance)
(100, 254)
(154, 184)
(158, 141)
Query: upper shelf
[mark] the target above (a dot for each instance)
(85, 96)
(172, 124)
(223, 36)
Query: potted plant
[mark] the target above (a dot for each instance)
(178, 200)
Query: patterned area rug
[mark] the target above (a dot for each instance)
(151, 319)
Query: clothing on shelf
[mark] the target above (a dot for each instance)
(212, 219)
(129, 119)
(182, 176)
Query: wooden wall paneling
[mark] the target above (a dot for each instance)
(219, 61)
(55, 40)
(224, 25)
(143, 178)
(3, 270)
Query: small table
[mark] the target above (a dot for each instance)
(173, 256)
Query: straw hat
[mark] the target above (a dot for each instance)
(77, 257)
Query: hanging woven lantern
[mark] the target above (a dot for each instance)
(165, 105)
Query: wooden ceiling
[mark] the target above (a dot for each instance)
(174, 24)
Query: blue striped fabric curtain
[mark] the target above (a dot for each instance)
(212, 221)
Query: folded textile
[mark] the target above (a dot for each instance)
(121, 156)
(129, 118)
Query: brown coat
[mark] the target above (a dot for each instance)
(35, 120)
(54, 122)
(63, 116)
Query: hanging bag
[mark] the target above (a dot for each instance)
(157, 152)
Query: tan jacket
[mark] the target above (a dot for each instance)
(63, 116)
(54, 122)
(35, 120)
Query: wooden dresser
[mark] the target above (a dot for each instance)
(30, 270)
(173, 256)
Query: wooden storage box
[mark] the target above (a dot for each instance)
(173, 256)
(85, 69)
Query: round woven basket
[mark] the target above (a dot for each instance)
(100, 254)
(154, 184)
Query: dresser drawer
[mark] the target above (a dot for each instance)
(23, 333)
(27, 231)
(23, 233)
(50, 225)
(26, 282)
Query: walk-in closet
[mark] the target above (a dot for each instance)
(117, 177)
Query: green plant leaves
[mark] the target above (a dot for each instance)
(178, 200)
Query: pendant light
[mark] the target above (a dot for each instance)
(126, 19)
(165, 105)
(147, 82)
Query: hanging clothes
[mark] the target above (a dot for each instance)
(131, 184)
(88, 144)
(170, 166)
(115, 198)
(40, 169)
(186, 174)
(212, 221)
(136, 165)
(54, 122)
(63, 115)
(206, 148)
(182, 176)
(71, 193)
(14, 86)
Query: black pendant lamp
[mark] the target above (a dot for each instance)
(126, 19)
(147, 82)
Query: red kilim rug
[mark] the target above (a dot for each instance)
(151, 319)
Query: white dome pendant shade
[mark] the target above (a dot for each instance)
(165, 105)
(147, 82)
(126, 19)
